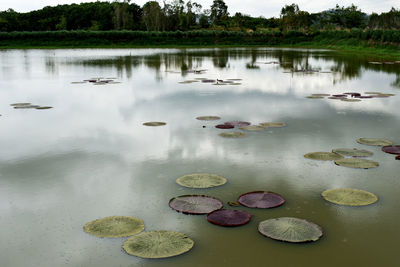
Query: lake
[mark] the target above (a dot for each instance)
(90, 156)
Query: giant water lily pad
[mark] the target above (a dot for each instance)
(374, 142)
(253, 128)
(224, 126)
(391, 149)
(314, 97)
(273, 124)
(158, 244)
(20, 104)
(114, 226)
(261, 200)
(290, 229)
(195, 204)
(26, 106)
(208, 118)
(44, 107)
(323, 156)
(352, 152)
(237, 123)
(357, 163)
(349, 196)
(201, 180)
(232, 134)
(154, 123)
(228, 217)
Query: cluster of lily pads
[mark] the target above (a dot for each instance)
(241, 125)
(214, 81)
(350, 96)
(307, 71)
(98, 81)
(387, 145)
(28, 106)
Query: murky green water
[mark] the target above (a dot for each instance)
(91, 157)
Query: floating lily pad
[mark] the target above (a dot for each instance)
(335, 97)
(44, 107)
(273, 124)
(224, 126)
(208, 118)
(234, 79)
(253, 128)
(397, 157)
(290, 229)
(340, 95)
(374, 142)
(323, 156)
(261, 200)
(320, 94)
(363, 96)
(20, 104)
(228, 217)
(195, 204)
(386, 95)
(77, 82)
(201, 180)
(221, 83)
(233, 203)
(372, 93)
(232, 134)
(314, 97)
(235, 84)
(158, 244)
(352, 152)
(350, 100)
(208, 81)
(114, 226)
(357, 163)
(154, 123)
(26, 106)
(349, 196)
(237, 123)
(391, 149)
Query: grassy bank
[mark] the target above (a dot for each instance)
(380, 43)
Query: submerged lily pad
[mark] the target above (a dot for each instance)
(237, 123)
(195, 204)
(357, 163)
(391, 149)
(352, 152)
(273, 124)
(158, 244)
(374, 142)
(114, 226)
(349, 196)
(201, 180)
(224, 126)
(290, 229)
(253, 128)
(228, 217)
(261, 200)
(232, 134)
(154, 123)
(208, 118)
(323, 156)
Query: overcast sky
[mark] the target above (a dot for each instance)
(266, 8)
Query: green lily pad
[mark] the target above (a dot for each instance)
(208, 118)
(158, 244)
(374, 142)
(201, 180)
(232, 134)
(253, 128)
(195, 204)
(114, 226)
(44, 107)
(314, 97)
(350, 100)
(154, 123)
(20, 104)
(323, 156)
(320, 94)
(273, 124)
(357, 163)
(353, 152)
(372, 93)
(26, 106)
(349, 196)
(290, 229)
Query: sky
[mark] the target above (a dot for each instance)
(266, 8)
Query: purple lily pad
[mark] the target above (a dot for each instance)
(224, 126)
(228, 217)
(342, 95)
(237, 123)
(195, 204)
(391, 149)
(397, 157)
(364, 96)
(208, 81)
(261, 200)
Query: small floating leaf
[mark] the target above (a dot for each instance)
(261, 200)
(201, 180)
(154, 123)
(314, 97)
(158, 244)
(386, 95)
(372, 93)
(44, 107)
(374, 142)
(253, 128)
(195, 204)
(208, 118)
(237, 123)
(233, 203)
(273, 124)
(235, 84)
(224, 126)
(290, 229)
(335, 97)
(208, 81)
(391, 149)
(349, 196)
(320, 95)
(232, 134)
(234, 79)
(363, 96)
(26, 106)
(350, 100)
(228, 217)
(20, 104)
(114, 226)
(352, 152)
(323, 156)
(357, 163)
(340, 95)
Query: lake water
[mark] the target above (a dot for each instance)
(91, 157)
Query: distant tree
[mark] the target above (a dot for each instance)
(219, 12)
(293, 18)
(152, 16)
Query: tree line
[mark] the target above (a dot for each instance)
(178, 15)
